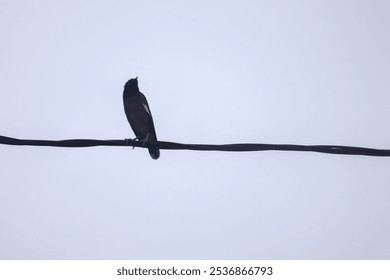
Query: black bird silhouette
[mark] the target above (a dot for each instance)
(139, 115)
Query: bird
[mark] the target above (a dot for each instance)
(139, 115)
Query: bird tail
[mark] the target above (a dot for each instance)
(154, 153)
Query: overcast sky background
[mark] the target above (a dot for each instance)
(297, 72)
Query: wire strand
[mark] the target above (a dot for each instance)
(244, 147)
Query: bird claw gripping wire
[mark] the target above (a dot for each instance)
(130, 140)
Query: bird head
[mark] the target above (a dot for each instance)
(132, 84)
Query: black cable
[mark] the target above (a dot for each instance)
(248, 147)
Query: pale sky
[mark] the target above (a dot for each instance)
(293, 72)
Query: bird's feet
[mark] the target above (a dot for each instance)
(129, 140)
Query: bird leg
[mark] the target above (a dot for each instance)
(127, 140)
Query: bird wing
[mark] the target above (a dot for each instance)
(147, 109)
